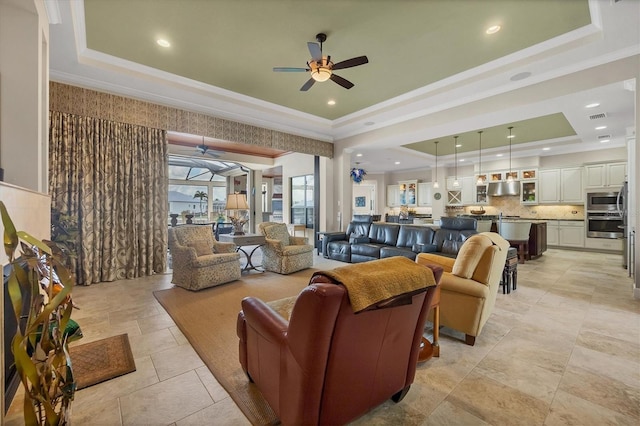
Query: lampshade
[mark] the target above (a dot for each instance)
(237, 202)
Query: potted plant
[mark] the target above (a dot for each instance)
(40, 281)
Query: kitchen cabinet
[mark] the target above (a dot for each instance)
(565, 233)
(527, 174)
(561, 186)
(393, 195)
(605, 175)
(571, 190)
(537, 239)
(552, 232)
(463, 195)
(407, 192)
(425, 194)
(468, 191)
(605, 244)
(571, 233)
(529, 192)
(481, 194)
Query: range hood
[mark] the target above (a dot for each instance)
(501, 189)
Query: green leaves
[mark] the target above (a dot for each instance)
(40, 345)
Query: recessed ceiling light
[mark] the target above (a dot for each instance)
(458, 146)
(331, 102)
(162, 42)
(369, 123)
(397, 162)
(461, 160)
(605, 140)
(601, 127)
(359, 154)
(499, 155)
(546, 149)
(593, 105)
(493, 29)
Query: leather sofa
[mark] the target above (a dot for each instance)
(327, 364)
(365, 241)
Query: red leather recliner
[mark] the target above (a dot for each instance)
(329, 365)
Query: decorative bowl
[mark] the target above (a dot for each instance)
(478, 211)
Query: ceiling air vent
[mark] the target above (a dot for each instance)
(598, 116)
(604, 137)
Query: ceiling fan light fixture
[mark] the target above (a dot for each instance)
(321, 74)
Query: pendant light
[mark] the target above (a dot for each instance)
(436, 185)
(455, 159)
(509, 175)
(480, 181)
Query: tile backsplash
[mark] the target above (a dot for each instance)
(510, 206)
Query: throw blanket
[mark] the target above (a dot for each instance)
(372, 282)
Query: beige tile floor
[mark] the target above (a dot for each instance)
(563, 349)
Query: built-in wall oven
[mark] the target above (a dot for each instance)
(604, 225)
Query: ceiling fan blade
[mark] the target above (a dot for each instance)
(353, 62)
(314, 49)
(342, 81)
(289, 69)
(307, 85)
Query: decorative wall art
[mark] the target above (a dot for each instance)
(361, 201)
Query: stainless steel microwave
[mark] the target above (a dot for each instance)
(602, 201)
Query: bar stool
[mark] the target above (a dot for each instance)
(517, 233)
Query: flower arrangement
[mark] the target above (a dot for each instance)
(357, 174)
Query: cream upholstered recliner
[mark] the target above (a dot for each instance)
(283, 253)
(198, 260)
(470, 282)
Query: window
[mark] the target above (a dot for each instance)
(197, 188)
(302, 200)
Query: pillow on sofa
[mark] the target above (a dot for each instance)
(202, 247)
(470, 254)
(278, 232)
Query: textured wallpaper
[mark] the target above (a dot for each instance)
(76, 100)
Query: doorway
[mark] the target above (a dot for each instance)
(364, 198)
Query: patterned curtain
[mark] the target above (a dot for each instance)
(114, 178)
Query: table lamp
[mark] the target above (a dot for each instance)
(237, 202)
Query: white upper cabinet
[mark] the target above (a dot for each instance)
(425, 193)
(604, 175)
(393, 195)
(561, 186)
(571, 190)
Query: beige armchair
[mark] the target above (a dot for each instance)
(470, 282)
(198, 260)
(283, 253)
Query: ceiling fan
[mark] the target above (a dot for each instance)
(322, 68)
(205, 150)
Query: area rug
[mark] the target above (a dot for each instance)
(101, 360)
(208, 320)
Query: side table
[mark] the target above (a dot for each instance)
(242, 241)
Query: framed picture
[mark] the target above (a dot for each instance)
(361, 201)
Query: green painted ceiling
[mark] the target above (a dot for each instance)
(234, 44)
(536, 129)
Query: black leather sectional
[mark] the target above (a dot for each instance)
(364, 241)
